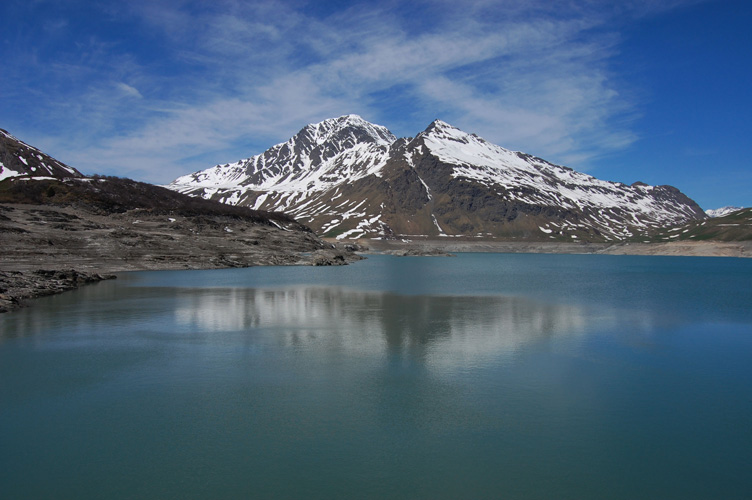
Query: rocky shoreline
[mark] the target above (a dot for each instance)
(47, 249)
(444, 246)
(17, 287)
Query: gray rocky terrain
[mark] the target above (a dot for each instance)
(73, 233)
(37, 236)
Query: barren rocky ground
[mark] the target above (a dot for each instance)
(48, 248)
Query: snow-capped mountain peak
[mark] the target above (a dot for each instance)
(456, 146)
(438, 125)
(318, 155)
(349, 178)
(349, 129)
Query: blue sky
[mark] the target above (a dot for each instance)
(640, 90)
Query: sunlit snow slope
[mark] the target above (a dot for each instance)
(348, 178)
(723, 211)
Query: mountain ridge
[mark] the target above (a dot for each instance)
(352, 182)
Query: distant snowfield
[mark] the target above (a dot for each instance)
(720, 212)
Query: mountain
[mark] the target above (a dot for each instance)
(53, 218)
(19, 159)
(720, 212)
(348, 178)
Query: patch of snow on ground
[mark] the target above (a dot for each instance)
(279, 226)
(260, 201)
(6, 173)
(441, 231)
(348, 234)
(428, 191)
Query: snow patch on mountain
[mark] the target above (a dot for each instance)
(6, 173)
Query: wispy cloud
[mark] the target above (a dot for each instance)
(128, 90)
(229, 79)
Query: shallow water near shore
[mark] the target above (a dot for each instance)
(480, 376)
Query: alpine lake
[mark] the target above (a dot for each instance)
(509, 376)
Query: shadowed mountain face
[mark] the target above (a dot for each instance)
(19, 159)
(348, 178)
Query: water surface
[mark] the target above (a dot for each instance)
(480, 376)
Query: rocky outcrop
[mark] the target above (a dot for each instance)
(328, 258)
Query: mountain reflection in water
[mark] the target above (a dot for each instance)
(440, 329)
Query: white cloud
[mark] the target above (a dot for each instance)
(128, 90)
(525, 76)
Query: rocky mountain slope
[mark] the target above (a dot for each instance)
(348, 178)
(19, 159)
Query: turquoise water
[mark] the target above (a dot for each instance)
(480, 376)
